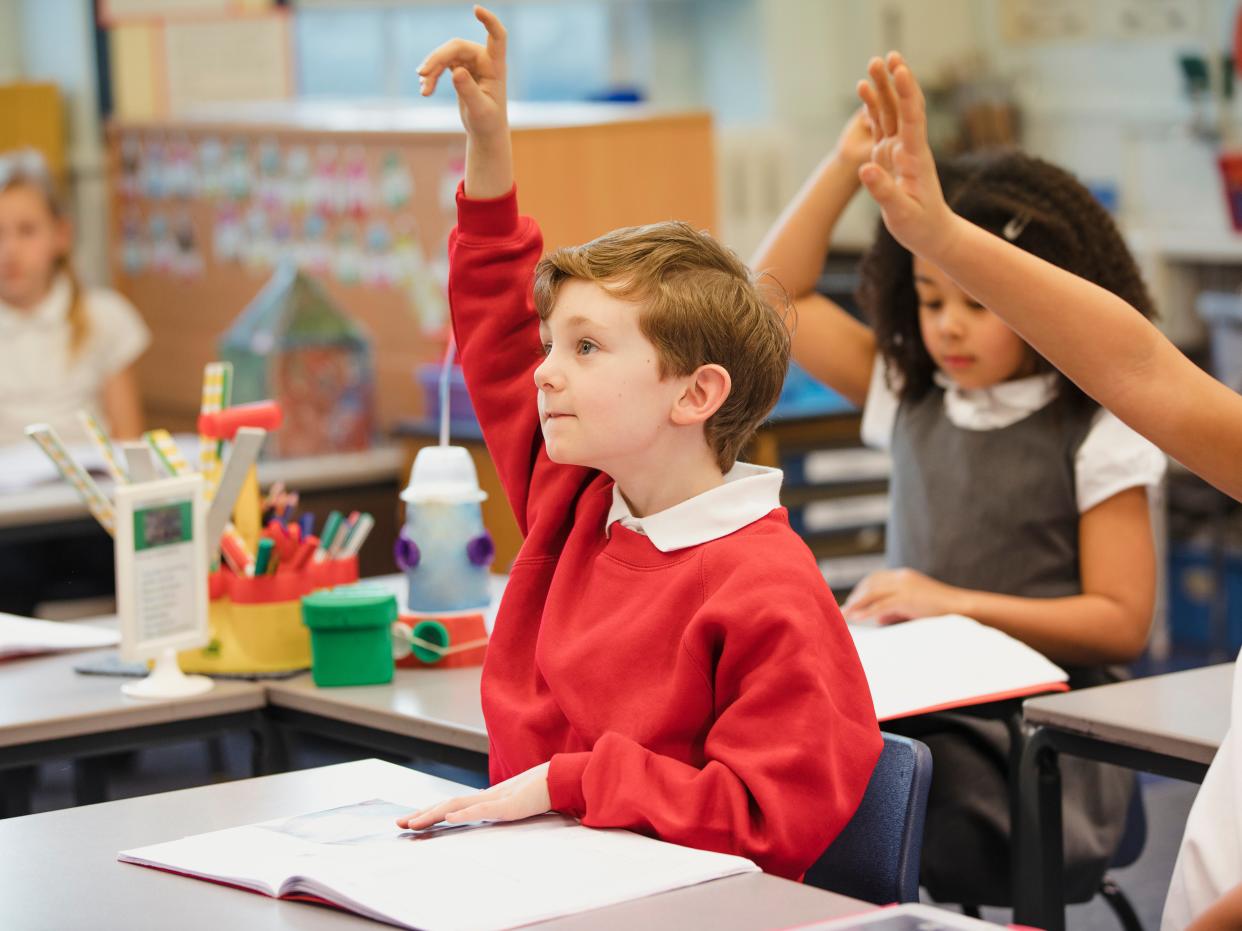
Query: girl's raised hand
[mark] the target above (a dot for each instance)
(901, 174)
(478, 75)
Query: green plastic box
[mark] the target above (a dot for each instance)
(351, 639)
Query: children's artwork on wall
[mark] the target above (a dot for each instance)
(133, 247)
(187, 261)
(227, 234)
(238, 175)
(162, 248)
(377, 265)
(180, 176)
(298, 178)
(315, 254)
(327, 195)
(356, 183)
(295, 345)
(130, 182)
(347, 262)
(396, 185)
(152, 172)
(258, 247)
(210, 168)
(269, 188)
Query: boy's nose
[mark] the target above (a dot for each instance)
(546, 376)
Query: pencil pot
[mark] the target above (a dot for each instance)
(255, 626)
(350, 635)
(445, 641)
(333, 572)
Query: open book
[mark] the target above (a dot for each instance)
(475, 876)
(938, 663)
(23, 636)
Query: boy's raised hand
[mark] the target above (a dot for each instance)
(901, 175)
(478, 76)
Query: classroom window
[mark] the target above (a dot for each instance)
(558, 50)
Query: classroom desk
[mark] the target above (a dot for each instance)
(50, 712)
(1170, 725)
(432, 714)
(42, 857)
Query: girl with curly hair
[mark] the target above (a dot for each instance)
(1015, 500)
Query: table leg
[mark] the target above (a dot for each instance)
(16, 788)
(90, 779)
(270, 746)
(1039, 898)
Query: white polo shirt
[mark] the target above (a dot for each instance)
(41, 381)
(749, 492)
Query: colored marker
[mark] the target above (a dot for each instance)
(359, 535)
(264, 558)
(326, 538)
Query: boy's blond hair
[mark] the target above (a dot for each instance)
(699, 304)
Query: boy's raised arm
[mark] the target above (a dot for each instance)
(478, 76)
(492, 256)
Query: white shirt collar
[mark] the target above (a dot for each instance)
(999, 405)
(49, 312)
(749, 492)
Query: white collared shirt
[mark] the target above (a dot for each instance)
(41, 380)
(749, 492)
(1111, 458)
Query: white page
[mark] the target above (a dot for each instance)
(937, 661)
(467, 878)
(23, 636)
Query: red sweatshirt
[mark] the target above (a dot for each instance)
(710, 696)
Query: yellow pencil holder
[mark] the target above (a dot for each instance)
(256, 623)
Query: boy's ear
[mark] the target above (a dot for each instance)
(706, 389)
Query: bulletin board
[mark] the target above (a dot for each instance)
(363, 199)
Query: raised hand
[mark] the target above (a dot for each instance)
(478, 76)
(901, 173)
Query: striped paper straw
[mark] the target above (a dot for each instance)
(166, 448)
(216, 381)
(74, 474)
(104, 442)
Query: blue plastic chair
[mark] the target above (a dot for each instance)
(876, 856)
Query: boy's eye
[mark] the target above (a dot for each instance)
(931, 304)
(586, 347)
(547, 349)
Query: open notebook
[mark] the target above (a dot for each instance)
(937, 663)
(466, 877)
(23, 636)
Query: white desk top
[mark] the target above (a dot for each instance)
(1180, 714)
(42, 698)
(59, 869)
(45, 504)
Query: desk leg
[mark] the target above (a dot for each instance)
(90, 779)
(16, 789)
(270, 747)
(1039, 899)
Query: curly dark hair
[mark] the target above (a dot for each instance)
(1065, 225)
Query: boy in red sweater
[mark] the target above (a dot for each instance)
(667, 657)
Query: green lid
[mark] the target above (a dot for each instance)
(349, 606)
